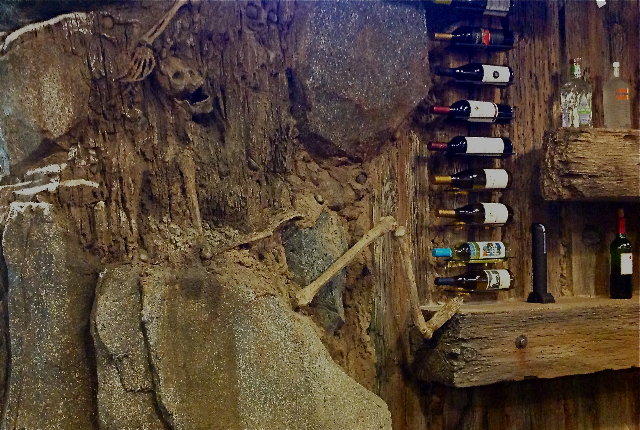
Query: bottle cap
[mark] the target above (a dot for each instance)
(443, 281)
(437, 146)
(442, 252)
(616, 64)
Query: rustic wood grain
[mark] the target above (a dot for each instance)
(592, 164)
(570, 337)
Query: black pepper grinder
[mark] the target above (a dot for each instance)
(539, 261)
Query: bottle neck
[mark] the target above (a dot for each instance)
(442, 180)
(444, 281)
(437, 146)
(622, 230)
(577, 71)
(440, 109)
(443, 36)
(616, 72)
(451, 213)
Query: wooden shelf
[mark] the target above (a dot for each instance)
(591, 164)
(570, 337)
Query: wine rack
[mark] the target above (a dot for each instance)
(479, 92)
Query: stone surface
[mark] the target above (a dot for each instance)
(360, 69)
(310, 252)
(253, 362)
(125, 386)
(51, 286)
(45, 89)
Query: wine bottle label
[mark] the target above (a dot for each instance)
(485, 145)
(495, 74)
(584, 110)
(496, 178)
(626, 264)
(487, 250)
(498, 279)
(482, 111)
(498, 7)
(495, 213)
(622, 94)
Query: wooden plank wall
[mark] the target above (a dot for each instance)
(550, 33)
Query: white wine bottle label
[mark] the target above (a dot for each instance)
(584, 109)
(497, 7)
(626, 264)
(498, 279)
(496, 178)
(487, 250)
(482, 111)
(495, 213)
(495, 74)
(485, 145)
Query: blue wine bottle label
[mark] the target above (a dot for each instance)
(626, 264)
(487, 250)
(498, 279)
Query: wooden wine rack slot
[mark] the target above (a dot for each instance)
(511, 341)
(591, 164)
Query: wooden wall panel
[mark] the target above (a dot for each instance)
(550, 33)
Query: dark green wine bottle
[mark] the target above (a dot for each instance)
(620, 279)
(501, 279)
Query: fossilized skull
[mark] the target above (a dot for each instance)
(177, 78)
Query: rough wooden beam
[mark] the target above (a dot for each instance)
(479, 346)
(592, 164)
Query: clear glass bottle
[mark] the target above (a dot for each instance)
(575, 99)
(616, 102)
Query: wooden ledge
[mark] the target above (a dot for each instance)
(479, 346)
(591, 164)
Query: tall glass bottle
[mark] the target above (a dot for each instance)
(575, 99)
(615, 101)
(620, 279)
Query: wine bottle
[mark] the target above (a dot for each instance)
(500, 279)
(476, 111)
(476, 179)
(476, 146)
(489, 38)
(472, 251)
(480, 213)
(487, 7)
(478, 73)
(620, 279)
(575, 99)
(615, 101)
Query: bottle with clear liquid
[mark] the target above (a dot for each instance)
(575, 99)
(616, 102)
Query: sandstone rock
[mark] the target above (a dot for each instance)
(311, 251)
(51, 286)
(360, 69)
(45, 89)
(225, 357)
(125, 385)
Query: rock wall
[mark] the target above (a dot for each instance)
(162, 201)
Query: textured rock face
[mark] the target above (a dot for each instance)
(310, 252)
(253, 363)
(45, 90)
(361, 69)
(51, 285)
(125, 386)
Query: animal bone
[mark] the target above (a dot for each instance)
(386, 224)
(439, 318)
(143, 60)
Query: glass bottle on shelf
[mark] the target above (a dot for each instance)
(575, 99)
(616, 102)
